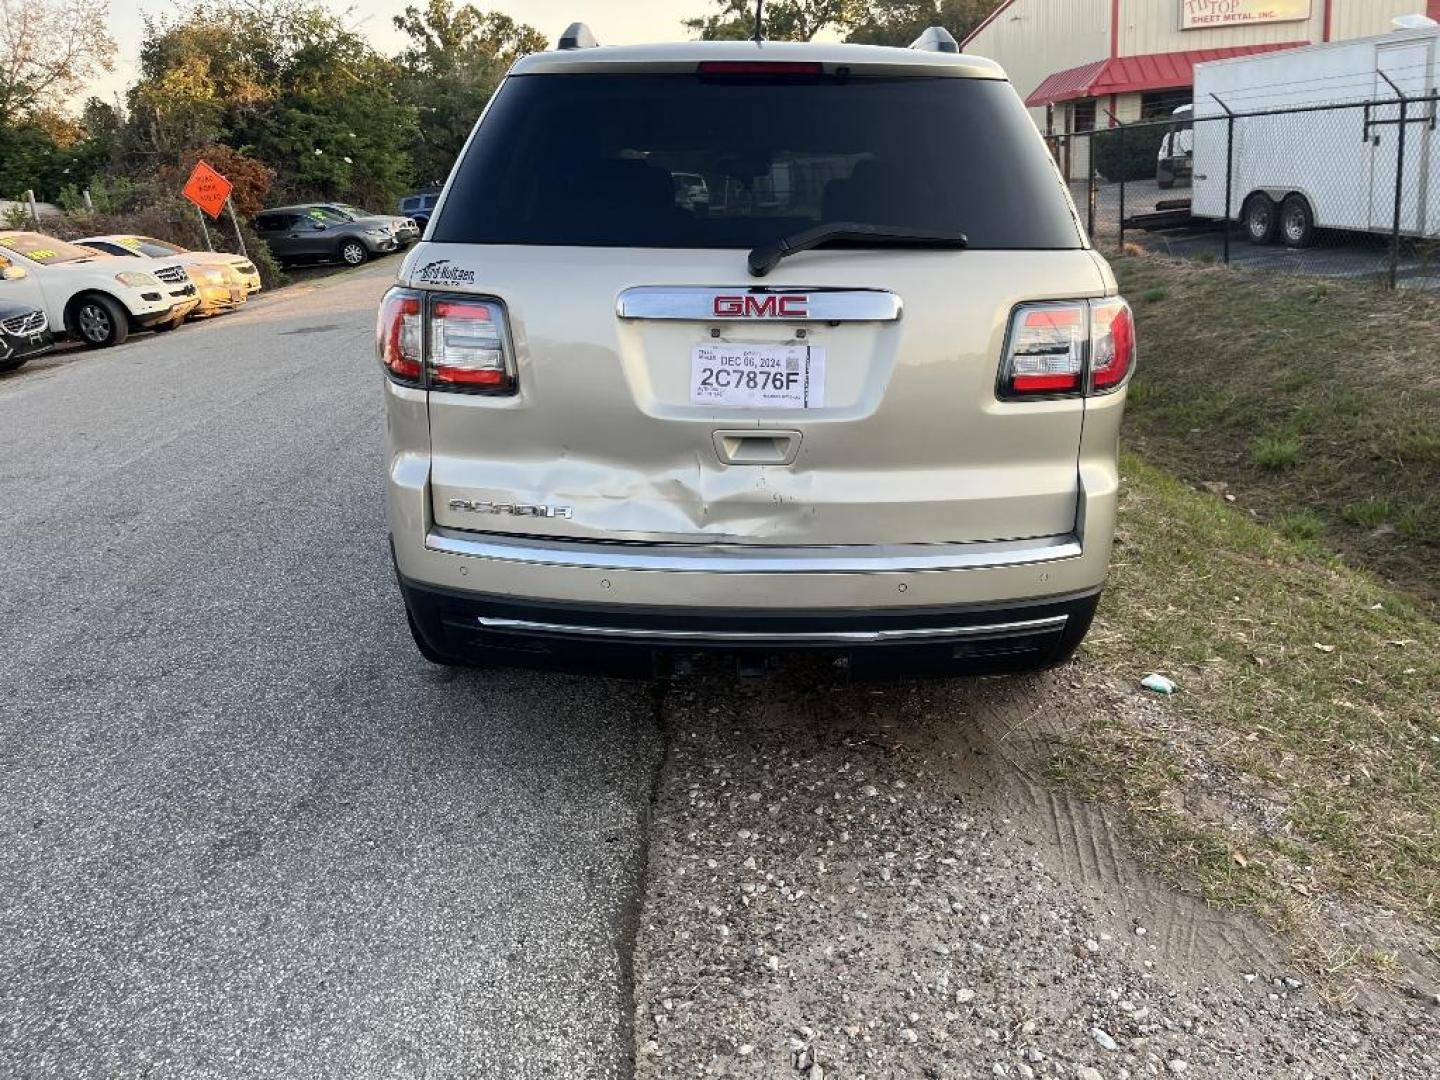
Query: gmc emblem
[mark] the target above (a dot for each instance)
(769, 306)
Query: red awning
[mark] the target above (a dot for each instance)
(1130, 74)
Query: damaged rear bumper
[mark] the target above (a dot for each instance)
(644, 642)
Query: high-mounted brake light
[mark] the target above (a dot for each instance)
(467, 348)
(397, 336)
(760, 67)
(1067, 349)
(446, 342)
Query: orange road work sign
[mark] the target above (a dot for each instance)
(207, 189)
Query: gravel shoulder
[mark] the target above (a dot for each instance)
(877, 882)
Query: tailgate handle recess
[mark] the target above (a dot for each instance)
(751, 447)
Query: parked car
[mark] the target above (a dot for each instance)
(93, 298)
(315, 233)
(622, 430)
(691, 191)
(405, 229)
(1175, 163)
(219, 284)
(24, 330)
(418, 206)
(129, 245)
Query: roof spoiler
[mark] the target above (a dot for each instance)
(577, 36)
(936, 39)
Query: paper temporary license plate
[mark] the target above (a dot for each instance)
(739, 376)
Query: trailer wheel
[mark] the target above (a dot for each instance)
(1262, 218)
(1297, 221)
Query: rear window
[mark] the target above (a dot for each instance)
(680, 161)
(148, 245)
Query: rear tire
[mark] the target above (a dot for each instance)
(99, 322)
(1297, 222)
(353, 253)
(1261, 218)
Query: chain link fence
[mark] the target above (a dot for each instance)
(1346, 190)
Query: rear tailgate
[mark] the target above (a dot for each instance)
(631, 416)
(907, 444)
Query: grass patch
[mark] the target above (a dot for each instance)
(1302, 396)
(1300, 761)
(1301, 526)
(1275, 452)
(1369, 514)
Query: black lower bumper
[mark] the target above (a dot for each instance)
(17, 347)
(471, 628)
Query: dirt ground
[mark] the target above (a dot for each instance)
(850, 881)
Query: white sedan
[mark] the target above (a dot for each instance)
(93, 298)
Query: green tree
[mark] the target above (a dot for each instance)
(899, 22)
(785, 20)
(32, 159)
(456, 58)
(283, 81)
(48, 49)
(868, 22)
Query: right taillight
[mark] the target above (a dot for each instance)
(1067, 349)
(441, 341)
(1112, 345)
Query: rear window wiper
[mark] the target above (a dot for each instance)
(766, 257)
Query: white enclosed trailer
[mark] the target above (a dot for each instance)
(1321, 168)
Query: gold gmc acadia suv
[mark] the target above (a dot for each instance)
(861, 399)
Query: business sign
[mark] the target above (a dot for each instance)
(1206, 14)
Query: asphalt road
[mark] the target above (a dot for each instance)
(245, 830)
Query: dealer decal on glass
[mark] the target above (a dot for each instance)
(739, 376)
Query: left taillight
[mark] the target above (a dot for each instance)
(398, 339)
(458, 344)
(468, 348)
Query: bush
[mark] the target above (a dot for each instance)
(252, 179)
(114, 196)
(1127, 153)
(174, 220)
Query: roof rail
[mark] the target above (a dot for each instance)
(936, 39)
(577, 36)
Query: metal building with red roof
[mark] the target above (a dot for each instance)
(1082, 64)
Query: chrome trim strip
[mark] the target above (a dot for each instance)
(697, 303)
(815, 637)
(745, 559)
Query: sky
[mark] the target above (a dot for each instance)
(615, 22)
